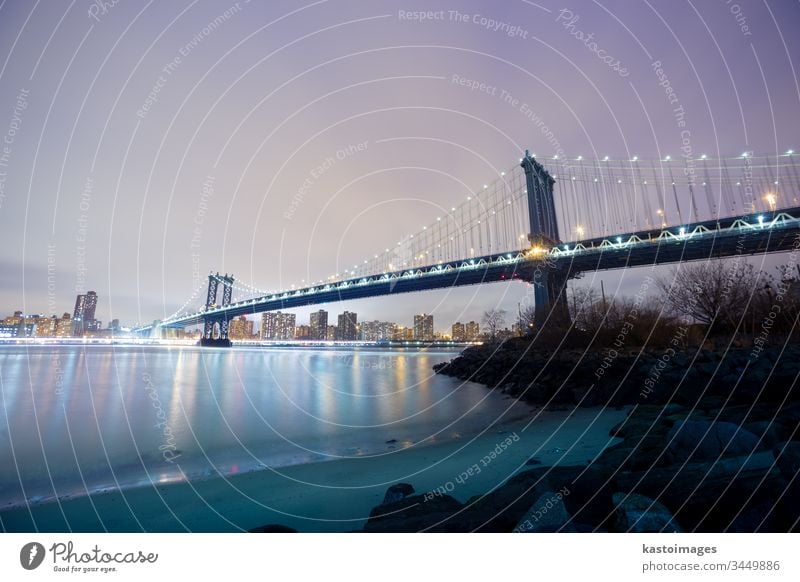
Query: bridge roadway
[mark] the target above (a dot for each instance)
(767, 232)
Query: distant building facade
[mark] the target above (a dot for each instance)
(423, 327)
(319, 325)
(302, 332)
(378, 331)
(472, 331)
(240, 328)
(347, 330)
(458, 332)
(276, 325)
(83, 315)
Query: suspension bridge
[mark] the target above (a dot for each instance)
(547, 221)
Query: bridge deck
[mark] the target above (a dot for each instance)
(765, 233)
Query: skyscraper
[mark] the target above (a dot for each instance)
(459, 333)
(277, 326)
(348, 327)
(83, 314)
(472, 331)
(423, 327)
(319, 325)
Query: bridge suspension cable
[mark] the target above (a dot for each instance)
(594, 198)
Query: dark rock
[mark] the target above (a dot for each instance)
(533, 461)
(391, 441)
(770, 433)
(787, 457)
(397, 492)
(416, 513)
(708, 496)
(273, 528)
(705, 440)
(547, 514)
(639, 514)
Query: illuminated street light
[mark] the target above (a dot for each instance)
(772, 200)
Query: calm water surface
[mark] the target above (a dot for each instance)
(77, 419)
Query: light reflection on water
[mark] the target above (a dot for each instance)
(114, 416)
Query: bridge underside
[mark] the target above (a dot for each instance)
(723, 239)
(492, 274)
(547, 269)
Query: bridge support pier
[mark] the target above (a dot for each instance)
(549, 296)
(550, 283)
(215, 326)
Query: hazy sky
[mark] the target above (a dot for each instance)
(146, 143)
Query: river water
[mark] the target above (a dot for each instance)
(81, 419)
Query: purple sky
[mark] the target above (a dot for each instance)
(102, 187)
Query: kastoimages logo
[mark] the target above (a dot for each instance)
(31, 555)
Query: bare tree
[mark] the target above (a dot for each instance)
(493, 320)
(527, 319)
(715, 293)
(586, 309)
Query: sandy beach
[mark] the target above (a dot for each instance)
(334, 495)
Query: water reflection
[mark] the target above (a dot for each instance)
(112, 415)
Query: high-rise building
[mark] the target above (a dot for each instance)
(319, 325)
(276, 325)
(302, 332)
(459, 333)
(240, 328)
(423, 327)
(348, 327)
(114, 325)
(83, 314)
(472, 331)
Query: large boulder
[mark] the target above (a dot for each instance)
(706, 440)
(415, 513)
(547, 514)
(397, 492)
(708, 496)
(639, 514)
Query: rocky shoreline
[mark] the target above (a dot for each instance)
(710, 445)
(710, 478)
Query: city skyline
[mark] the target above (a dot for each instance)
(269, 325)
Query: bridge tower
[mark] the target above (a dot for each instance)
(550, 283)
(215, 325)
